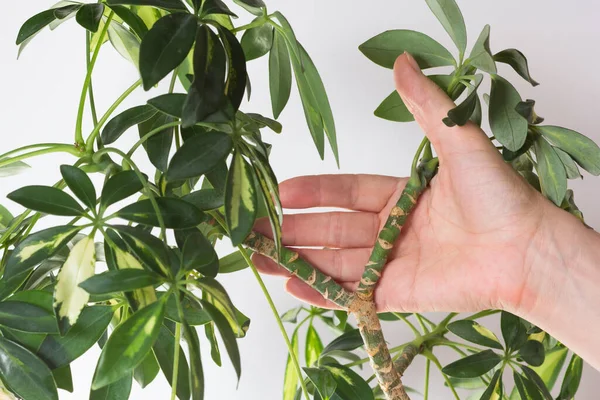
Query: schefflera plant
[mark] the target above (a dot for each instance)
(130, 265)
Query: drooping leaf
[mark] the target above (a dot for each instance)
(89, 16)
(537, 381)
(552, 366)
(158, 146)
(240, 200)
(125, 280)
(129, 344)
(263, 122)
(257, 42)
(28, 376)
(127, 119)
(80, 184)
(473, 365)
(462, 113)
(475, 333)
(552, 174)
(69, 298)
(119, 187)
(211, 335)
(314, 346)
(199, 254)
(165, 354)
(35, 24)
(291, 377)
(533, 353)
(235, 83)
(583, 150)
(494, 389)
(58, 351)
(165, 46)
(199, 155)
(514, 331)
(166, 4)
(350, 385)
(46, 199)
(232, 263)
(517, 60)
(526, 109)
(118, 390)
(280, 74)
(572, 378)
(147, 370)
(449, 15)
(253, 6)
(570, 166)
(196, 374)
(63, 378)
(176, 213)
(509, 127)
(481, 56)
(323, 381)
(386, 47)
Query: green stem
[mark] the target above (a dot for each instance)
(445, 342)
(87, 81)
(434, 360)
(57, 149)
(89, 144)
(482, 314)
(421, 323)
(88, 36)
(33, 146)
(176, 350)
(410, 324)
(417, 156)
(148, 135)
(277, 318)
(254, 24)
(427, 369)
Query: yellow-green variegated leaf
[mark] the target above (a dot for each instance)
(240, 199)
(145, 296)
(475, 333)
(69, 298)
(291, 378)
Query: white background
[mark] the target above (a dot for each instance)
(40, 92)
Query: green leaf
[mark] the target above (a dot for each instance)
(147, 370)
(527, 111)
(386, 47)
(165, 354)
(89, 16)
(69, 298)
(537, 381)
(461, 114)
(475, 333)
(63, 378)
(213, 288)
(59, 351)
(199, 254)
(552, 174)
(481, 56)
(313, 346)
(165, 46)
(26, 316)
(165, 4)
(533, 353)
(118, 390)
(176, 213)
(526, 389)
(27, 375)
(235, 83)
(263, 122)
(196, 374)
(253, 6)
(514, 331)
(205, 199)
(158, 147)
(509, 127)
(473, 365)
(233, 262)
(291, 378)
(5, 217)
(583, 150)
(215, 7)
(119, 187)
(125, 280)
(240, 199)
(552, 366)
(350, 386)
(227, 335)
(170, 104)
(149, 249)
(80, 184)
(323, 381)
(215, 352)
(193, 313)
(127, 119)
(349, 341)
(449, 15)
(132, 20)
(46, 199)
(36, 248)
(570, 166)
(129, 344)
(477, 115)
(517, 60)
(291, 316)
(125, 42)
(199, 155)
(572, 378)
(257, 42)
(494, 389)
(280, 74)
(35, 24)
(13, 169)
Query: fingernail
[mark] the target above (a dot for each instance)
(412, 62)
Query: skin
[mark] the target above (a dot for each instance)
(480, 237)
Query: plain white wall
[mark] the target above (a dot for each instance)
(40, 93)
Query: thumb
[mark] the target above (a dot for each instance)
(430, 104)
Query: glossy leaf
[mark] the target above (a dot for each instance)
(126, 43)
(494, 389)
(89, 16)
(119, 187)
(475, 333)
(280, 74)
(58, 351)
(165, 354)
(481, 56)
(170, 104)
(199, 155)
(462, 113)
(291, 378)
(166, 4)
(552, 366)
(570, 166)
(257, 42)
(232, 263)
(198, 254)
(235, 83)
(63, 378)
(29, 377)
(323, 381)
(253, 6)
(473, 365)
(552, 174)
(583, 150)
(148, 248)
(158, 146)
(517, 60)
(176, 213)
(5, 217)
(509, 127)
(146, 371)
(386, 47)
(514, 330)
(537, 381)
(240, 200)
(449, 15)
(35, 24)
(196, 374)
(227, 336)
(36, 248)
(572, 378)
(26, 316)
(165, 46)
(350, 386)
(129, 344)
(127, 119)
(349, 341)
(132, 19)
(205, 199)
(314, 346)
(533, 353)
(46, 199)
(125, 280)
(193, 312)
(118, 390)
(215, 7)
(80, 184)
(69, 298)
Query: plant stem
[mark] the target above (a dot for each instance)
(57, 149)
(87, 81)
(148, 135)
(89, 145)
(421, 323)
(176, 360)
(410, 324)
(427, 368)
(482, 314)
(88, 36)
(433, 358)
(33, 146)
(254, 24)
(277, 318)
